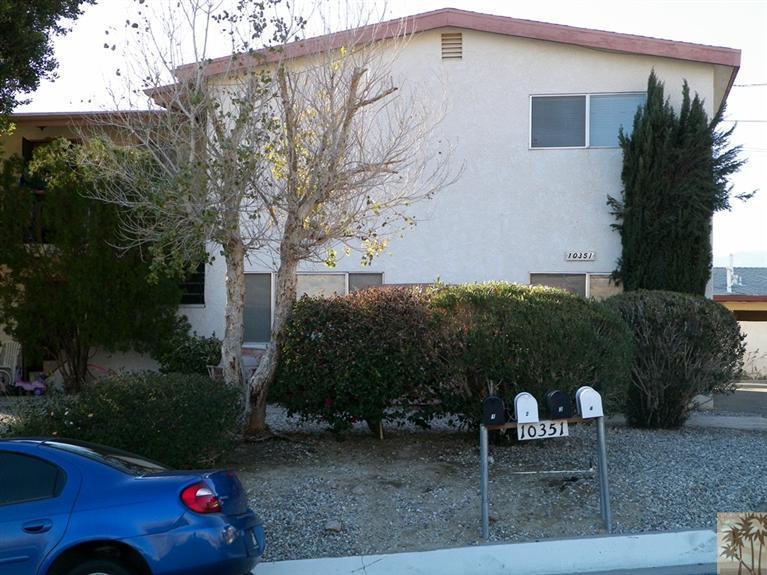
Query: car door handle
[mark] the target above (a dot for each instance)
(37, 526)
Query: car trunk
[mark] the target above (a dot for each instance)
(230, 492)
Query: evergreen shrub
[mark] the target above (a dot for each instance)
(515, 338)
(685, 345)
(186, 352)
(181, 420)
(385, 354)
(367, 357)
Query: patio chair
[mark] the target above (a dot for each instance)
(9, 358)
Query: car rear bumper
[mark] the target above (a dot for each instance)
(205, 545)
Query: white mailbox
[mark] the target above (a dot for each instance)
(525, 408)
(588, 402)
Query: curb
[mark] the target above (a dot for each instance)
(553, 557)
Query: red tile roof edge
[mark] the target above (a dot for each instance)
(454, 18)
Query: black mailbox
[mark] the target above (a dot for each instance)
(493, 411)
(558, 405)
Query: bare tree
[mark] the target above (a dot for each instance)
(355, 148)
(190, 173)
(292, 152)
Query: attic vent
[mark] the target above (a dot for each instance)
(452, 46)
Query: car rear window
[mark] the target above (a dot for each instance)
(122, 460)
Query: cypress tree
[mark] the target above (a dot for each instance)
(676, 169)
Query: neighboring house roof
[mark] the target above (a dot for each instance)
(745, 282)
(747, 297)
(50, 119)
(725, 60)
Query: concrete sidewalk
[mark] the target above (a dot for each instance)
(749, 399)
(682, 551)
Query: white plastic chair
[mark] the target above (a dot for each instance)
(9, 358)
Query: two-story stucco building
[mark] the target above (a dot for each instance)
(533, 112)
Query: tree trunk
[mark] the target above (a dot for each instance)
(73, 362)
(284, 300)
(231, 345)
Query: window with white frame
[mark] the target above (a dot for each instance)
(259, 295)
(597, 286)
(582, 120)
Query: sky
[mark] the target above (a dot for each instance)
(86, 67)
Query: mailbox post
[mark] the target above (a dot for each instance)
(604, 487)
(589, 407)
(483, 482)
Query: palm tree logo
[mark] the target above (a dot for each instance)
(743, 542)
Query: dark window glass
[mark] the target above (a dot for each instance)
(258, 307)
(575, 283)
(558, 121)
(363, 281)
(117, 458)
(193, 287)
(26, 478)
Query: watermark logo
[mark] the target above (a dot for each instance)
(741, 543)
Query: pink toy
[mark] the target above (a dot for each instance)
(36, 387)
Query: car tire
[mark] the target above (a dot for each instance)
(99, 567)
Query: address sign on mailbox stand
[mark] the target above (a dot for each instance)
(542, 430)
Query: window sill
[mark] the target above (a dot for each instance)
(255, 345)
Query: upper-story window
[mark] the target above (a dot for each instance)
(582, 120)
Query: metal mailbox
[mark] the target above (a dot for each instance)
(493, 410)
(558, 405)
(525, 408)
(588, 402)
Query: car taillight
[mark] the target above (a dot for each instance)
(200, 498)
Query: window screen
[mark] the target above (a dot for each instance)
(608, 113)
(25, 478)
(601, 287)
(558, 121)
(363, 281)
(323, 285)
(575, 283)
(258, 307)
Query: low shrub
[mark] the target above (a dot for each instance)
(181, 420)
(514, 338)
(186, 352)
(685, 345)
(353, 358)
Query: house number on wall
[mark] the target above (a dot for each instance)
(580, 256)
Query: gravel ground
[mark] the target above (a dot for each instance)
(323, 496)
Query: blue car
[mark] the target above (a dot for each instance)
(74, 508)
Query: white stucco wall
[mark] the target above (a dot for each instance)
(515, 210)
(756, 347)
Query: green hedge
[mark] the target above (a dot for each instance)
(685, 345)
(387, 353)
(180, 420)
(352, 358)
(515, 338)
(185, 351)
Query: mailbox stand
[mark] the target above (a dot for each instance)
(604, 489)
